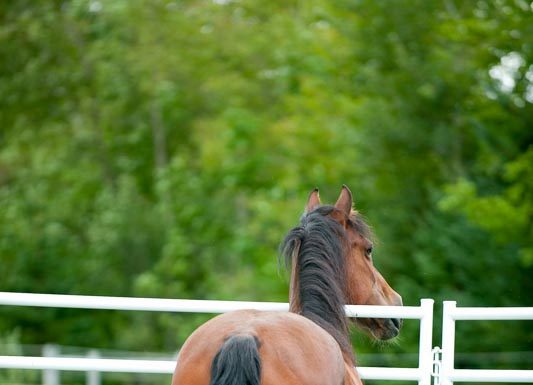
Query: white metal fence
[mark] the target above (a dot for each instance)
(452, 313)
(427, 365)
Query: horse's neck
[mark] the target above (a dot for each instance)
(333, 327)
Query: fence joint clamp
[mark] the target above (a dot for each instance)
(437, 365)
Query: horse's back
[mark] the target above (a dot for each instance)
(293, 350)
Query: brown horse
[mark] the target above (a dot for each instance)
(330, 254)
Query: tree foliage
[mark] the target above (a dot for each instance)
(160, 148)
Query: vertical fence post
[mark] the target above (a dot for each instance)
(448, 342)
(93, 377)
(50, 376)
(425, 360)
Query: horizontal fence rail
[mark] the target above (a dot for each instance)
(452, 313)
(187, 305)
(394, 374)
(135, 303)
(490, 375)
(424, 313)
(162, 366)
(88, 364)
(491, 313)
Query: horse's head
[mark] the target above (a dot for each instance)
(364, 283)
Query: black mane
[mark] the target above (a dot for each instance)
(320, 267)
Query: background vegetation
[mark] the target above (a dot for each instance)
(164, 148)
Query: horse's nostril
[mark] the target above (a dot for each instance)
(396, 322)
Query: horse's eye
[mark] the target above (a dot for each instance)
(368, 251)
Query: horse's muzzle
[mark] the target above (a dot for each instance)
(392, 328)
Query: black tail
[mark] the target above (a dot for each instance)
(237, 362)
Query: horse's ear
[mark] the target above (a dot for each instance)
(344, 203)
(313, 201)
